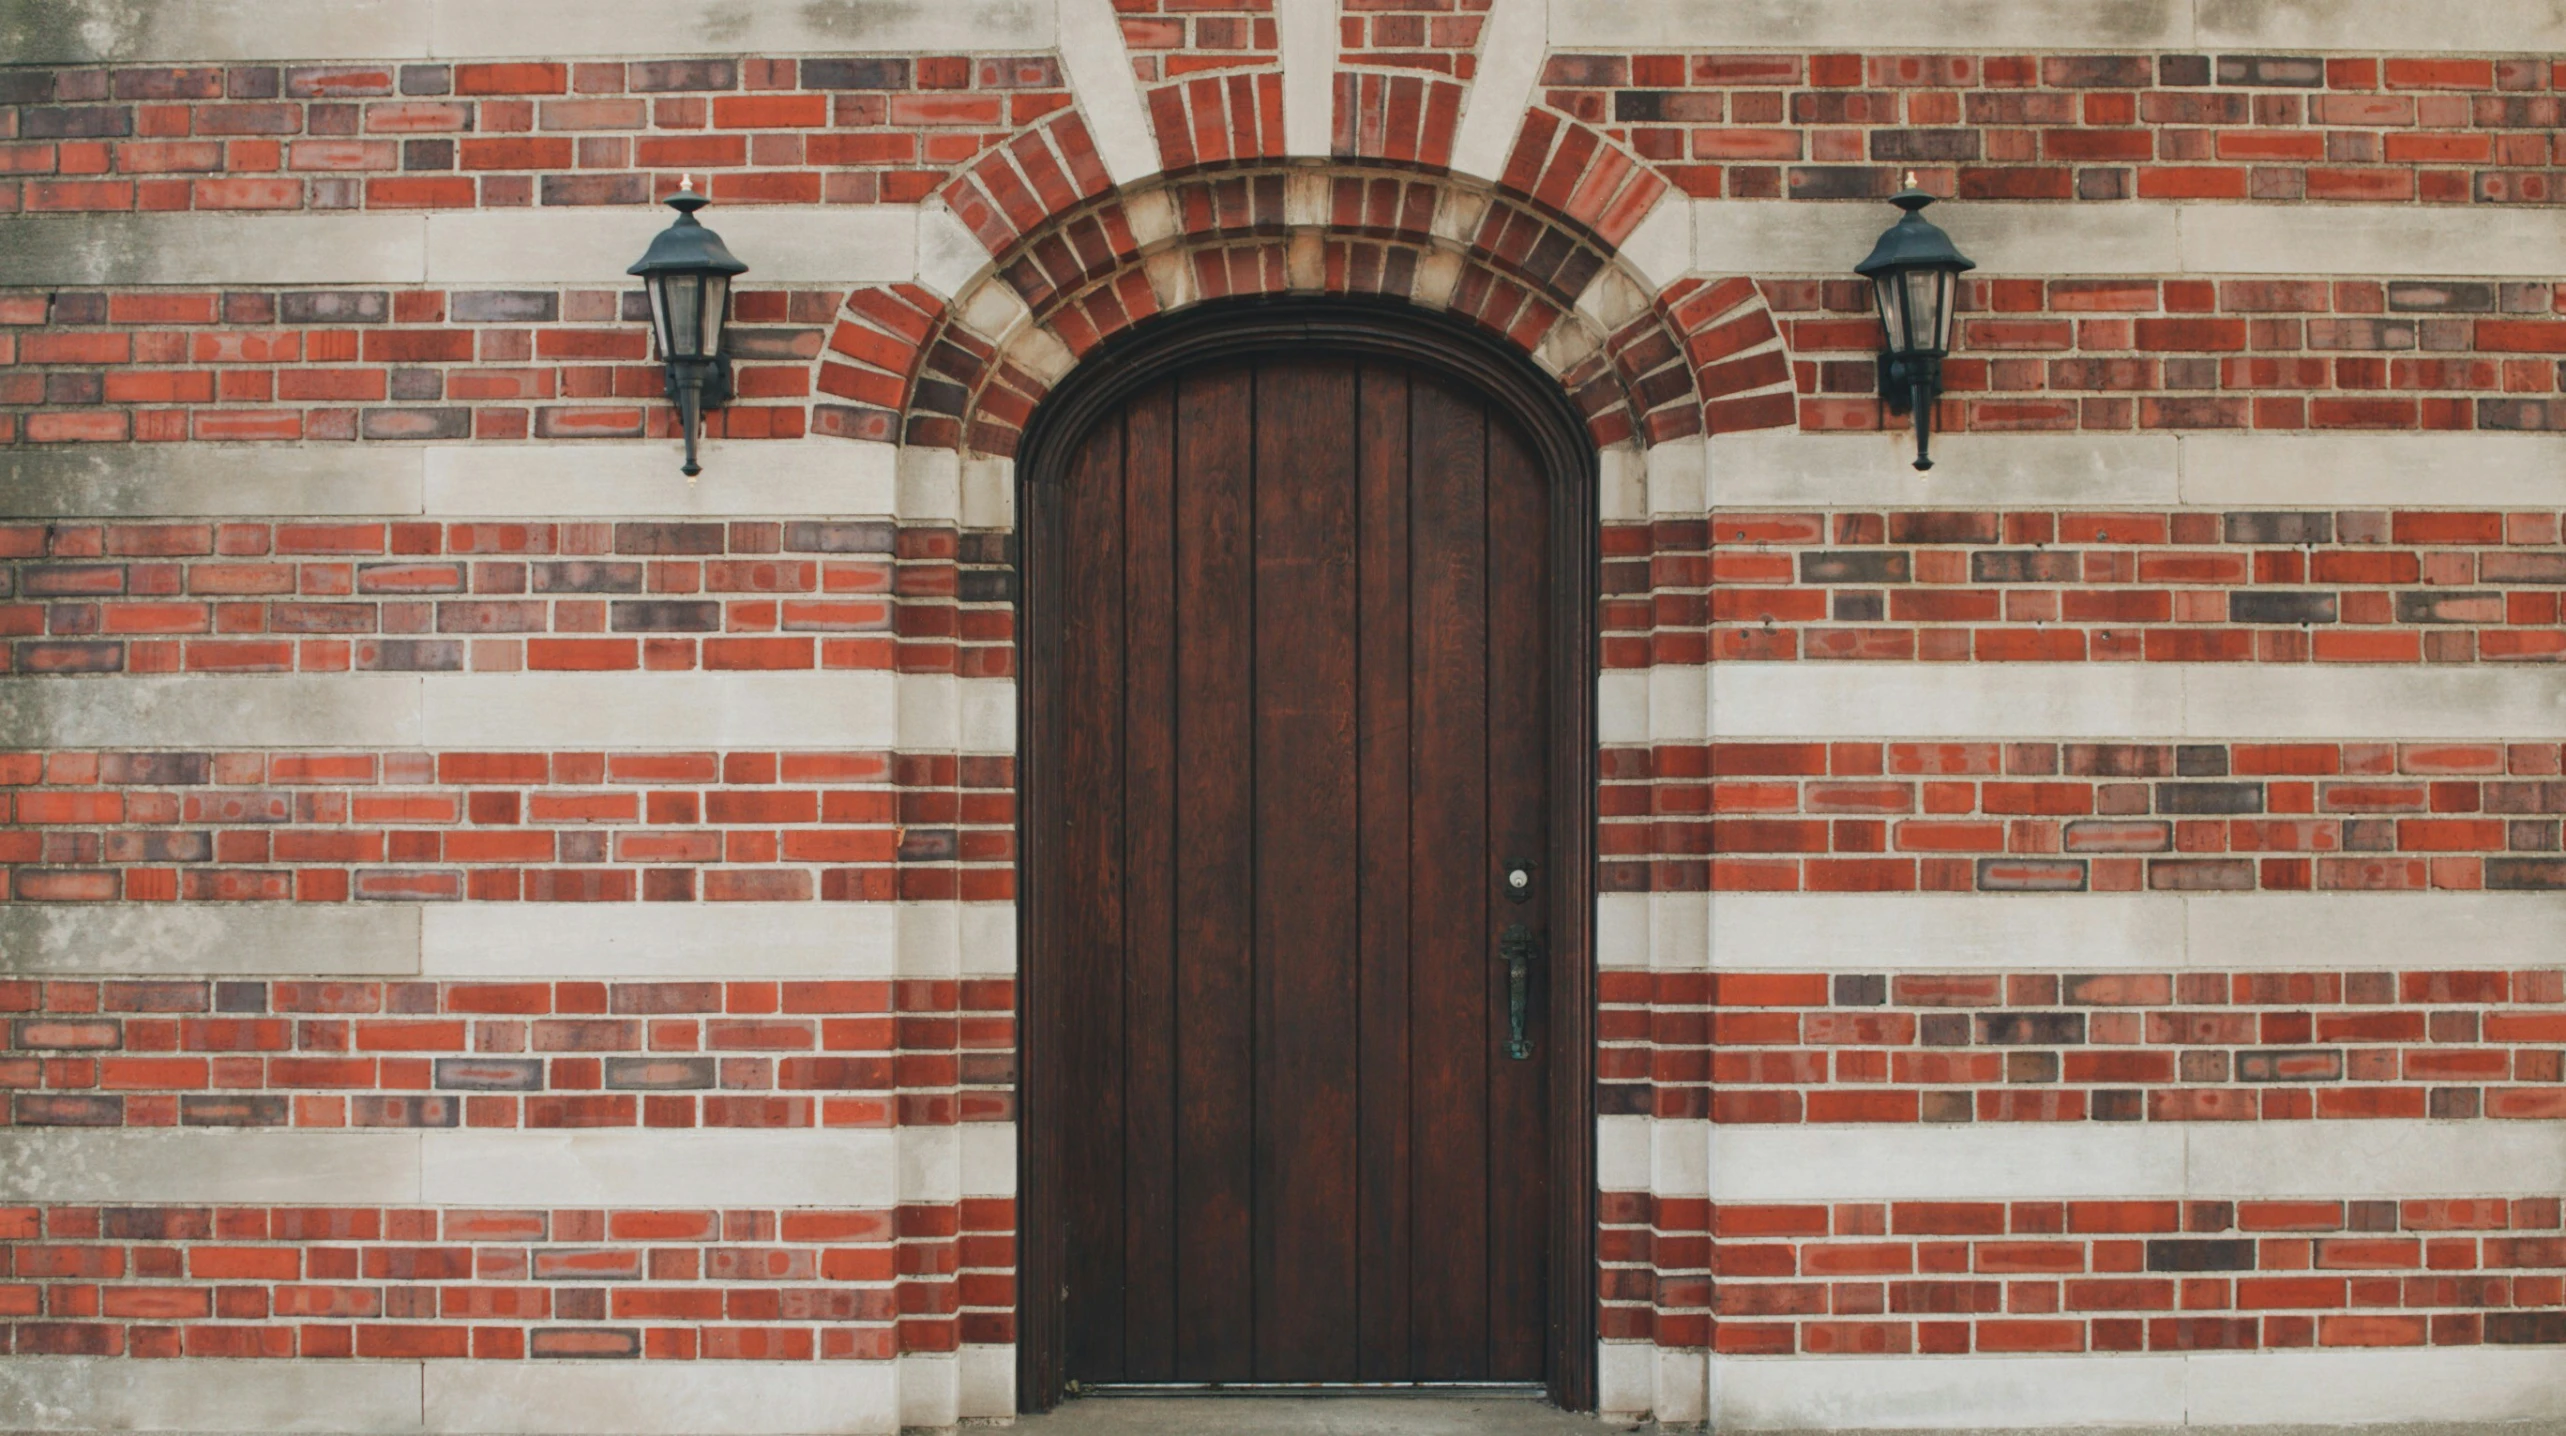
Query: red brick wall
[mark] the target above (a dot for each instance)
(852, 130)
(270, 826)
(2260, 586)
(2123, 354)
(2099, 1276)
(329, 596)
(2437, 129)
(997, 138)
(2184, 1046)
(244, 1053)
(2081, 817)
(800, 1284)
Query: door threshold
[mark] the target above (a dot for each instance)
(1442, 1390)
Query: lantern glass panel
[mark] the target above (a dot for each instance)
(1928, 309)
(687, 311)
(717, 310)
(1945, 309)
(1893, 303)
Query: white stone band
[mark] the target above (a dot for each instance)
(2146, 237)
(469, 1398)
(841, 478)
(1679, 703)
(783, 478)
(2043, 1161)
(511, 941)
(2057, 25)
(77, 32)
(913, 712)
(1786, 468)
(186, 1164)
(856, 244)
(2437, 1390)
(2070, 932)
(824, 245)
(88, 31)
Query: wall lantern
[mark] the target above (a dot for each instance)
(689, 271)
(1916, 273)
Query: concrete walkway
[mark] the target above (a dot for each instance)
(1312, 1416)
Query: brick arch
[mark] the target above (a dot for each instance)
(966, 374)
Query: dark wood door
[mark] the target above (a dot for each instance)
(1301, 706)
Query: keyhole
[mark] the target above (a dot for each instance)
(1519, 882)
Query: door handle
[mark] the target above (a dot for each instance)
(1517, 946)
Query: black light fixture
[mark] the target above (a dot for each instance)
(1915, 272)
(689, 272)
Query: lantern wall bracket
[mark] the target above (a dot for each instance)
(688, 271)
(1914, 272)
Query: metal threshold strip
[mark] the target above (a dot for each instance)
(1440, 1390)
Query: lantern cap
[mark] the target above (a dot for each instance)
(1914, 242)
(687, 247)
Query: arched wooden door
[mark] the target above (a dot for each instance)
(1297, 712)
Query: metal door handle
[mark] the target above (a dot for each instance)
(1517, 946)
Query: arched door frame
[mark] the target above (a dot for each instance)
(1458, 351)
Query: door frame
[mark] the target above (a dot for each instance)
(1458, 351)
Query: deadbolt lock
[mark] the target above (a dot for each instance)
(1518, 882)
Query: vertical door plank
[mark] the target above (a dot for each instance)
(1215, 1036)
(1306, 936)
(1517, 790)
(1091, 895)
(1151, 829)
(1381, 438)
(1450, 943)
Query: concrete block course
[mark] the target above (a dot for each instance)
(2145, 24)
(81, 1394)
(819, 1168)
(166, 940)
(466, 28)
(1787, 468)
(77, 31)
(468, 710)
(730, 941)
(395, 1398)
(2144, 237)
(2041, 1161)
(601, 1399)
(281, 709)
(739, 479)
(174, 480)
(2438, 1392)
(1874, 1393)
(841, 245)
(2211, 932)
(46, 250)
(2080, 701)
(2055, 24)
(206, 1165)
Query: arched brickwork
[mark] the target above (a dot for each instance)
(967, 375)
